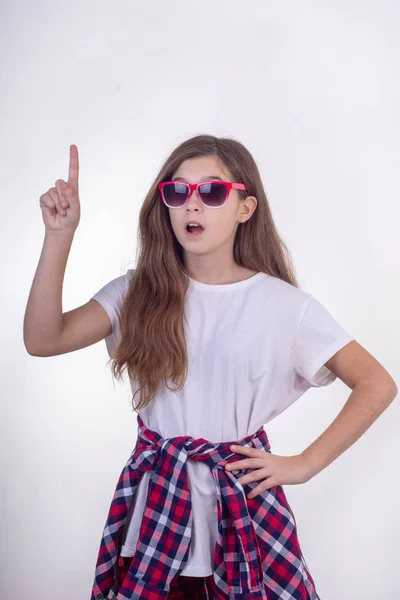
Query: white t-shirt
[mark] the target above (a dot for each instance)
(254, 347)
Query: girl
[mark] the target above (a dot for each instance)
(218, 339)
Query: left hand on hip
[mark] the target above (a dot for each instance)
(271, 468)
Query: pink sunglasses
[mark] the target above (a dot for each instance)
(213, 194)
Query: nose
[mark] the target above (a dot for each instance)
(193, 199)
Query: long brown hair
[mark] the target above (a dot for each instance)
(152, 345)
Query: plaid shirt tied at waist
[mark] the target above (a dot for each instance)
(257, 555)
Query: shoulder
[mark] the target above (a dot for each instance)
(298, 308)
(115, 289)
(122, 281)
(285, 294)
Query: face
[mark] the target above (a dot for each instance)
(219, 224)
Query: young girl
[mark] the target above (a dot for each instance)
(217, 339)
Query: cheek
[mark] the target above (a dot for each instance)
(174, 220)
(225, 224)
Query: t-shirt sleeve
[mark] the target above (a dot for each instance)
(111, 297)
(318, 337)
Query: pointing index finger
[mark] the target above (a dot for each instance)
(73, 167)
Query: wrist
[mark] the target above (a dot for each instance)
(308, 467)
(65, 235)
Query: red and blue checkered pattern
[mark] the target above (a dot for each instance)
(257, 555)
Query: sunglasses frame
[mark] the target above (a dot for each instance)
(194, 187)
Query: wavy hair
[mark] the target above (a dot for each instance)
(152, 345)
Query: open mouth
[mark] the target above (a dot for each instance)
(194, 230)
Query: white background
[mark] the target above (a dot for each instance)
(312, 89)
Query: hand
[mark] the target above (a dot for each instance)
(60, 205)
(270, 468)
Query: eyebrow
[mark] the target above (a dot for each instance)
(207, 178)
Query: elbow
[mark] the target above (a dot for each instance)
(30, 351)
(34, 351)
(394, 390)
(28, 348)
(383, 382)
(390, 386)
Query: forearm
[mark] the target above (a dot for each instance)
(364, 405)
(43, 314)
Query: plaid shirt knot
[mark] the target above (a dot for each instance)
(253, 560)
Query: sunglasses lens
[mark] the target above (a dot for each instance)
(175, 194)
(213, 194)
